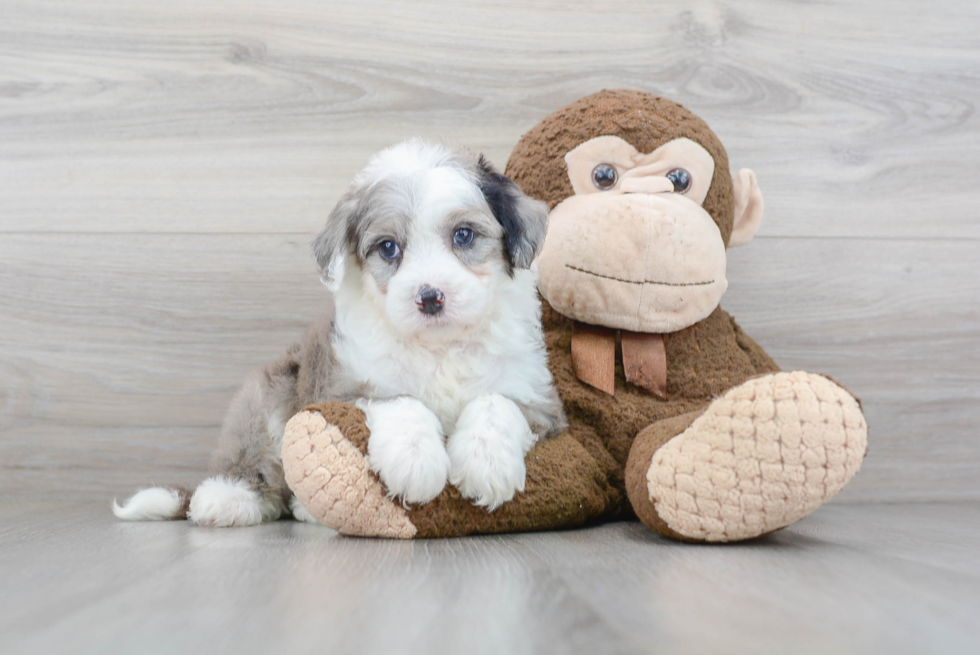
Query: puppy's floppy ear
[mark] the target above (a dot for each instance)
(331, 246)
(525, 220)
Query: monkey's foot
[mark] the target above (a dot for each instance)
(324, 458)
(763, 456)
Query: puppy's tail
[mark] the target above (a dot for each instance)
(154, 504)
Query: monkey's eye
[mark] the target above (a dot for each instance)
(681, 180)
(389, 250)
(604, 177)
(463, 237)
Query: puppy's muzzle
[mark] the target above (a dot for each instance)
(429, 300)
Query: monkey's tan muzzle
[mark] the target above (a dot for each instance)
(644, 262)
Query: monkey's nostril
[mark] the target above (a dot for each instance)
(430, 300)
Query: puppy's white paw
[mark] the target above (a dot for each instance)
(406, 449)
(484, 468)
(221, 502)
(487, 451)
(299, 512)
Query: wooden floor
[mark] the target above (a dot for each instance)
(850, 579)
(163, 166)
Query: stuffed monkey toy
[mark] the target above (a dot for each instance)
(676, 416)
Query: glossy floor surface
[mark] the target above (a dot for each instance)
(849, 579)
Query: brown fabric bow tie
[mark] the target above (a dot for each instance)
(594, 358)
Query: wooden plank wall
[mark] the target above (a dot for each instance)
(163, 166)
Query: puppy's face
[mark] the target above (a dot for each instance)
(429, 251)
(428, 233)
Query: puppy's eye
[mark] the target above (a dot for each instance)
(604, 177)
(389, 250)
(463, 237)
(681, 180)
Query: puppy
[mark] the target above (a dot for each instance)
(435, 332)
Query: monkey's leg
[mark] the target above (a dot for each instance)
(763, 456)
(325, 462)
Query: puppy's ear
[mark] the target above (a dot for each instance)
(525, 220)
(331, 246)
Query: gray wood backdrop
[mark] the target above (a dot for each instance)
(164, 164)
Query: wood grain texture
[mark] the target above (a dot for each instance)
(859, 117)
(848, 579)
(122, 351)
(163, 166)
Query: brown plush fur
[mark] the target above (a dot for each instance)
(580, 476)
(704, 361)
(566, 486)
(647, 443)
(597, 469)
(644, 121)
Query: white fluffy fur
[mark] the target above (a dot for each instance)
(222, 502)
(486, 452)
(299, 512)
(153, 504)
(428, 260)
(485, 348)
(502, 353)
(476, 370)
(406, 448)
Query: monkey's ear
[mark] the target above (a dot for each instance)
(332, 245)
(748, 208)
(525, 220)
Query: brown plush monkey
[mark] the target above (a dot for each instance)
(675, 414)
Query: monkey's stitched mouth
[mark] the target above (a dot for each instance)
(619, 279)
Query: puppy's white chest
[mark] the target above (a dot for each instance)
(444, 379)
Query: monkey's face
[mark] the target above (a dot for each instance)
(633, 248)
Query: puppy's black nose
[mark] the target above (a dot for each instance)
(429, 300)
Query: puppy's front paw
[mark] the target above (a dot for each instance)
(413, 466)
(484, 468)
(487, 451)
(406, 449)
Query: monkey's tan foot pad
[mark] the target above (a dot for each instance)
(327, 471)
(763, 456)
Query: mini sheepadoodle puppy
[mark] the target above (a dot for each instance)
(435, 332)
